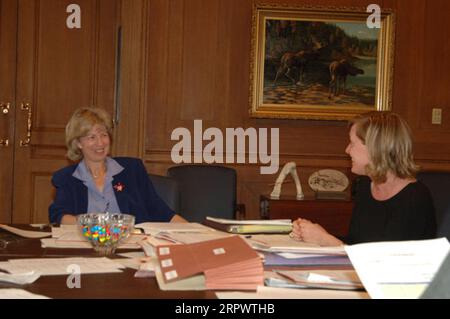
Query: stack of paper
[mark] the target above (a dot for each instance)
(13, 293)
(300, 259)
(329, 279)
(277, 226)
(227, 263)
(20, 279)
(179, 233)
(156, 228)
(25, 233)
(287, 293)
(69, 236)
(284, 243)
(401, 269)
(61, 266)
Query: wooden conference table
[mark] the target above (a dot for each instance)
(104, 286)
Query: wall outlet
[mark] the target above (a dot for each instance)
(436, 116)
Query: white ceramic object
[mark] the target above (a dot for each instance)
(288, 169)
(328, 180)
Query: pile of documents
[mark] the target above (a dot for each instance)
(285, 293)
(14, 293)
(179, 233)
(69, 236)
(286, 244)
(227, 263)
(25, 233)
(400, 269)
(301, 259)
(328, 279)
(61, 266)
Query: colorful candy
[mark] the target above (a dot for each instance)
(105, 231)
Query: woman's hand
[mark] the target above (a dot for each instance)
(309, 232)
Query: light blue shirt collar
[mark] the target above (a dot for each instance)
(112, 168)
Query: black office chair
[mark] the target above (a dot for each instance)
(439, 185)
(207, 190)
(167, 188)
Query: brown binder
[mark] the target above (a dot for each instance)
(228, 263)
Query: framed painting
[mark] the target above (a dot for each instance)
(319, 62)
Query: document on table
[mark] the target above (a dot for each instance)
(69, 236)
(398, 270)
(13, 293)
(179, 233)
(287, 293)
(330, 279)
(20, 279)
(192, 283)
(60, 266)
(25, 233)
(284, 243)
(251, 222)
(155, 228)
(190, 238)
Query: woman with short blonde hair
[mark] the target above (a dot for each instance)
(388, 139)
(390, 204)
(99, 183)
(80, 124)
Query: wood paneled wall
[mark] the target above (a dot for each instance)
(196, 57)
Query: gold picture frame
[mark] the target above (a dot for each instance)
(319, 63)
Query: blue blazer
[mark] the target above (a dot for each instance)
(137, 197)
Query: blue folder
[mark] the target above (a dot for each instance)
(272, 259)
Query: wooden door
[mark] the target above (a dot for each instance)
(58, 70)
(8, 22)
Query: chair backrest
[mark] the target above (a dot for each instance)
(206, 190)
(439, 185)
(167, 188)
(439, 288)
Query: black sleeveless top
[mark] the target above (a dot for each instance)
(409, 215)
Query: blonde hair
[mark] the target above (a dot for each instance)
(80, 124)
(388, 140)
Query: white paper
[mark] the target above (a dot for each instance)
(286, 244)
(60, 266)
(133, 254)
(287, 293)
(134, 263)
(190, 238)
(196, 282)
(155, 228)
(13, 293)
(397, 270)
(20, 279)
(71, 237)
(251, 222)
(297, 255)
(25, 233)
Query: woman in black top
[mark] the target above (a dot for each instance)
(390, 204)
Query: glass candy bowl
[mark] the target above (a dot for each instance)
(105, 231)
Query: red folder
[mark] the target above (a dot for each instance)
(227, 263)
